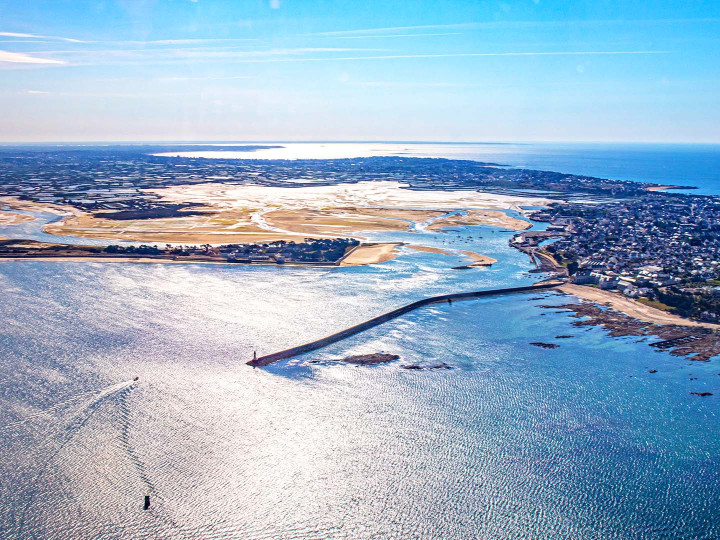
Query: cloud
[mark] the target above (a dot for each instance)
(22, 58)
(156, 55)
(209, 78)
(189, 41)
(412, 84)
(37, 92)
(37, 36)
(292, 52)
(385, 36)
(18, 35)
(392, 29)
(450, 55)
(511, 24)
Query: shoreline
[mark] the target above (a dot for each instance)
(631, 308)
(363, 254)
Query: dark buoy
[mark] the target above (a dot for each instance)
(147, 502)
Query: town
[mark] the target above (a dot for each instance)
(662, 249)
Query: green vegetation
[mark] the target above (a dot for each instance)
(655, 304)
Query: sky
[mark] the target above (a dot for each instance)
(359, 70)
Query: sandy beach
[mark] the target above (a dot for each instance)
(630, 307)
(371, 254)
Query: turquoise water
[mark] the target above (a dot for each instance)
(513, 442)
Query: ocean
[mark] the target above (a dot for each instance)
(514, 441)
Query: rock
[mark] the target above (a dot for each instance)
(702, 394)
(563, 337)
(652, 371)
(544, 345)
(412, 366)
(370, 359)
(441, 365)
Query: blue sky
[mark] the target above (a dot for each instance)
(443, 70)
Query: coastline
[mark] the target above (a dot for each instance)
(630, 307)
(365, 254)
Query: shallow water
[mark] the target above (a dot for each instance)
(514, 441)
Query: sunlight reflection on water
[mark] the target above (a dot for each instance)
(514, 441)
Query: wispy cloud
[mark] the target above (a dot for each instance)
(451, 55)
(368, 32)
(394, 29)
(22, 58)
(18, 37)
(411, 84)
(37, 92)
(290, 52)
(189, 41)
(37, 36)
(199, 53)
(209, 78)
(386, 36)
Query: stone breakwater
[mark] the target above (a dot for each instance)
(376, 321)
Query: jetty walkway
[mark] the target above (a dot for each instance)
(344, 334)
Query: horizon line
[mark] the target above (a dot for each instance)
(343, 141)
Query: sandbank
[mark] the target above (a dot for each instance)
(478, 260)
(481, 217)
(13, 218)
(232, 213)
(29, 206)
(370, 254)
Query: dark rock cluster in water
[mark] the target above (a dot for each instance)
(544, 345)
(441, 365)
(370, 359)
